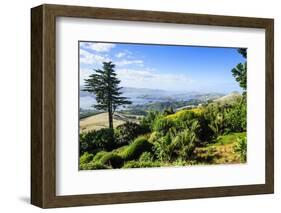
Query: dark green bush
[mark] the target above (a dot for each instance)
(205, 133)
(104, 139)
(127, 132)
(95, 141)
(111, 159)
(86, 142)
(135, 149)
(168, 111)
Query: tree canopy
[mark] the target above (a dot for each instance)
(240, 71)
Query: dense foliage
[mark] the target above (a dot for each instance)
(127, 132)
(186, 137)
(97, 140)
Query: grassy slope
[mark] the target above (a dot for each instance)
(221, 151)
(96, 122)
(100, 121)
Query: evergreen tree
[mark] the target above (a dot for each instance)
(105, 85)
(243, 52)
(240, 71)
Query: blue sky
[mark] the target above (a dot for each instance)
(177, 68)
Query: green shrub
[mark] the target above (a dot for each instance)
(119, 150)
(94, 141)
(180, 162)
(86, 158)
(127, 132)
(86, 142)
(149, 119)
(177, 143)
(154, 136)
(185, 143)
(141, 164)
(163, 125)
(93, 165)
(104, 139)
(223, 118)
(135, 149)
(111, 159)
(99, 155)
(146, 157)
(241, 148)
(187, 115)
(237, 118)
(164, 147)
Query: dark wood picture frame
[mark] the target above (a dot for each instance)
(43, 105)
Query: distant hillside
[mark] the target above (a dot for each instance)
(231, 98)
(142, 96)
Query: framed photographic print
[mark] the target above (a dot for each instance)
(135, 106)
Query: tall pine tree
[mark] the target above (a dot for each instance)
(105, 85)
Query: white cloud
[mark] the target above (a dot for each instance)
(147, 78)
(85, 73)
(98, 47)
(128, 62)
(89, 58)
(120, 55)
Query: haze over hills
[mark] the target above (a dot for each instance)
(95, 120)
(140, 96)
(230, 98)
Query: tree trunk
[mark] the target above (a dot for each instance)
(110, 118)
